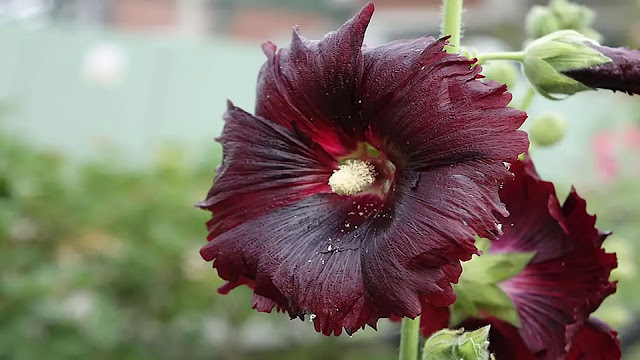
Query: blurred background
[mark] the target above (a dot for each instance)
(108, 110)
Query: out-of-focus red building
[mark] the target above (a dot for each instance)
(144, 14)
(258, 20)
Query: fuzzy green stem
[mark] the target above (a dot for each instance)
(507, 55)
(409, 337)
(528, 98)
(452, 23)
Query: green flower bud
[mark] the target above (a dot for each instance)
(560, 15)
(546, 58)
(458, 345)
(547, 129)
(540, 21)
(501, 71)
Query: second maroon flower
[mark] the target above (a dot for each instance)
(555, 293)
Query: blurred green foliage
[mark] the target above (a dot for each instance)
(102, 263)
(96, 260)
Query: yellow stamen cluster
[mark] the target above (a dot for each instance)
(352, 177)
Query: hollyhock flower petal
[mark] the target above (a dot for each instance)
(569, 275)
(428, 103)
(313, 84)
(543, 233)
(430, 205)
(348, 202)
(433, 318)
(265, 166)
(595, 341)
(621, 74)
(302, 261)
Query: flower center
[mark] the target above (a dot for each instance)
(352, 177)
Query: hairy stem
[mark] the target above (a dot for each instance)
(507, 55)
(452, 23)
(409, 336)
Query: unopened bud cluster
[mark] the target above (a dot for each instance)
(560, 15)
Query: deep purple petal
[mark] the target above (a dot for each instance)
(430, 106)
(595, 341)
(312, 257)
(569, 276)
(302, 261)
(525, 196)
(433, 318)
(313, 84)
(265, 166)
(621, 74)
(428, 230)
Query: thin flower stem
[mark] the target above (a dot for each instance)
(409, 336)
(528, 98)
(507, 55)
(524, 106)
(452, 23)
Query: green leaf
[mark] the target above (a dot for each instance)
(478, 288)
(505, 313)
(449, 344)
(483, 244)
(494, 268)
(464, 306)
(489, 298)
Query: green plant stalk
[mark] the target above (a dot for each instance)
(528, 98)
(452, 24)
(507, 55)
(409, 337)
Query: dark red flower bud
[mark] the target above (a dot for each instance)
(621, 74)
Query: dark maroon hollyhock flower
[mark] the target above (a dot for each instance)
(621, 74)
(358, 186)
(568, 277)
(566, 280)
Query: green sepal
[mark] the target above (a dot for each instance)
(546, 58)
(494, 301)
(494, 268)
(545, 80)
(464, 306)
(478, 289)
(473, 297)
(566, 50)
(449, 344)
